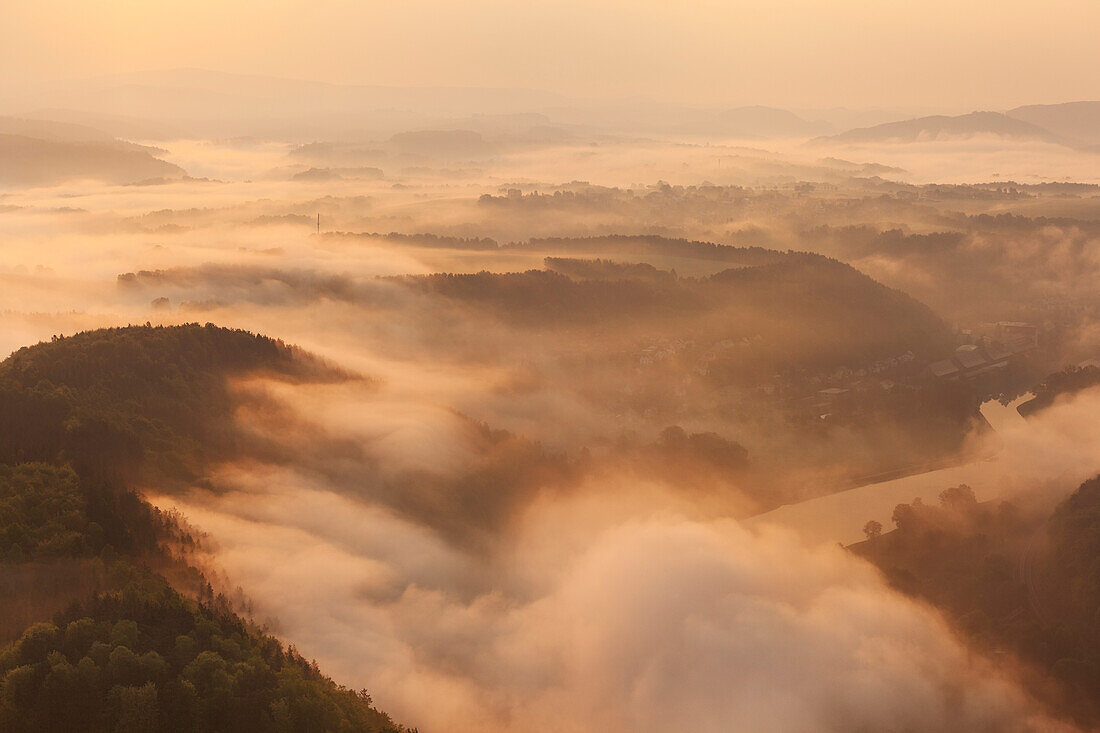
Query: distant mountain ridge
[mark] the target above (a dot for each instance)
(200, 103)
(177, 103)
(1077, 121)
(752, 122)
(944, 127)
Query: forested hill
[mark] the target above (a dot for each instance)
(140, 397)
(1064, 383)
(623, 245)
(808, 309)
(1010, 581)
(116, 646)
(90, 415)
(31, 161)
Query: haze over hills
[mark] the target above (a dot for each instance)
(46, 152)
(164, 103)
(942, 127)
(31, 161)
(208, 104)
(46, 129)
(571, 376)
(534, 368)
(645, 117)
(751, 122)
(1075, 121)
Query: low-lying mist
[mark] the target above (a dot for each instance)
(531, 512)
(608, 601)
(613, 605)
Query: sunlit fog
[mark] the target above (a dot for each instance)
(588, 367)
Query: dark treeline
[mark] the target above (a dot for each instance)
(1065, 383)
(144, 658)
(115, 402)
(813, 311)
(81, 419)
(425, 240)
(1072, 566)
(623, 244)
(1010, 581)
(615, 244)
(580, 269)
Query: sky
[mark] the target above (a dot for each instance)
(962, 54)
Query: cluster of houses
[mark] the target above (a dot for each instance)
(988, 355)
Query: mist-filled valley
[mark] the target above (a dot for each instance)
(338, 407)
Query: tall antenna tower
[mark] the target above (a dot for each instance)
(318, 222)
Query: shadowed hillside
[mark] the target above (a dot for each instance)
(80, 419)
(28, 161)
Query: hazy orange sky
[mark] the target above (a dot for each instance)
(937, 53)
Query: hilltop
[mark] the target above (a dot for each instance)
(943, 127)
(1077, 121)
(138, 638)
(56, 156)
(834, 313)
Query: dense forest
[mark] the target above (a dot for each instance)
(81, 419)
(618, 244)
(767, 339)
(144, 658)
(1010, 581)
(1064, 383)
(811, 311)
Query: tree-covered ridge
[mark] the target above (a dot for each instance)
(960, 555)
(1074, 533)
(80, 419)
(110, 359)
(146, 659)
(1066, 382)
(1010, 582)
(119, 398)
(623, 245)
(44, 514)
(600, 269)
(620, 244)
(809, 309)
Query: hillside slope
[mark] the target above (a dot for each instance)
(943, 127)
(1077, 121)
(1011, 581)
(804, 309)
(32, 161)
(80, 419)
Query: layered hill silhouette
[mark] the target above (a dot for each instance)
(826, 311)
(943, 127)
(43, 152)
(1076, 121)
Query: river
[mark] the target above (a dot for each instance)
(840, 517)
